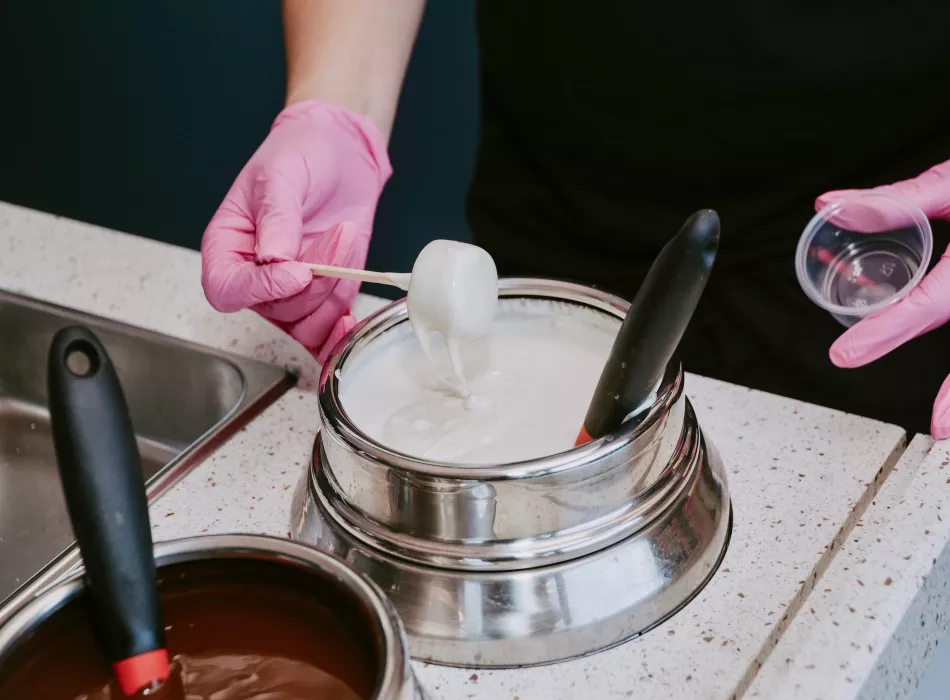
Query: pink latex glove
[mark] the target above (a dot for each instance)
(307, 195)
(925, 308)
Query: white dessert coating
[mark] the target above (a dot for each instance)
(531, 380)
(453, 291)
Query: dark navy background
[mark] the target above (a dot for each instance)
(138, 115)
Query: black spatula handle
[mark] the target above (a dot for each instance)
(654, 325)
(105, 494)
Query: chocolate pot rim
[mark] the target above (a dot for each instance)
(393, 671)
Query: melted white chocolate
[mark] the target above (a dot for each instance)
(531, 381)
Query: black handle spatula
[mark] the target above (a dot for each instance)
(105, 494)
(654, 325)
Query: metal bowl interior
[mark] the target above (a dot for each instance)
(383, 320)
(40, 633)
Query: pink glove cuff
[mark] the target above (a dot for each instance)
(327, 114)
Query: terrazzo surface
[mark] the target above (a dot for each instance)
(798, 473)
(878, 614)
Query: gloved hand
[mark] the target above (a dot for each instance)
(307, 195)
(925, 308)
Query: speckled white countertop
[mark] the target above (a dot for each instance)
(797, 474)
(881, 609)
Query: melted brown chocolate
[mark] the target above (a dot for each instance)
(238, 677)
(239, 630)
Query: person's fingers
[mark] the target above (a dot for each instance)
(300, 305)
(925, 308)
(234, 283)
(229, 276)
(277, 195)
(343, 326)
(313, 330)
(828, 197)
(940, 423)
(874, 211)
(344, 246)
(930, 191)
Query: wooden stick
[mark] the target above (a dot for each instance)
(394, 279)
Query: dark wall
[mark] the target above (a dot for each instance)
(138, 115)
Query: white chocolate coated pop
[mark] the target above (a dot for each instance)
(453, 291)
(532, 378)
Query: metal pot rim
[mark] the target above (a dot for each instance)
(508, 287)
(393, 658)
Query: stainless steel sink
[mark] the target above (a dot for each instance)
(184, 399)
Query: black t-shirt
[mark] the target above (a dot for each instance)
(605, 124)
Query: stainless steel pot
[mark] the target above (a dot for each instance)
(526, 563)
(250, 558)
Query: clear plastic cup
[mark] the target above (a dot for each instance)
(862, 253)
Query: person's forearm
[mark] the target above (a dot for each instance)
(350, 52)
